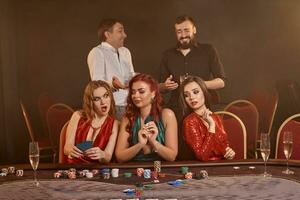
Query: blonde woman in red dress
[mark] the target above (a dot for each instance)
(95, 123)
(203, 130)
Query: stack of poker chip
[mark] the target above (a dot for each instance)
(95, 172)
(72, 175)
(20, 172)
(157, 166)
(147, 173)
(201, 174)
(57, 174)
(184, 170)
(11, 170)
(155, 174)
(140, 172)
(4, 172)
(115, 172)
(105, 173)
(89, 174)
(188, 175)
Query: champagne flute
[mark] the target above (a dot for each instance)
(34, 157)
(288, 149)
(265, 150)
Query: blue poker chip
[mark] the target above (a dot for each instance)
(105, 170)
(175, 183)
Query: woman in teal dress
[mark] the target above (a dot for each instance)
(147, 132)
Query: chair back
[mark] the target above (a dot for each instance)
(290, 124)
(248, 113)
(27, 121)
(236, 133)
(266, 104)
(62, 141)
(57, 115)
(44, 103)
(46, 148)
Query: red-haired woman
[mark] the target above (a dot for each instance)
(95, 123)
(147, 131)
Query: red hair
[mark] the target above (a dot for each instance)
(132, 111)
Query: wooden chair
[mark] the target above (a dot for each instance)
(248, 113)
(46, 148)
(290, 124)
(62, 141)
(266, 104)
(236, 132)
(44, 103)
(57, 115)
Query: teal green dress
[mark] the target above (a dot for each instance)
(160, 138)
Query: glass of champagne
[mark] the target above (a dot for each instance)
(265, 150)
(34, 158)
(288, 149)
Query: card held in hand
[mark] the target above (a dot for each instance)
(85, 145)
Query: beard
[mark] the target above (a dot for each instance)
(186, 44)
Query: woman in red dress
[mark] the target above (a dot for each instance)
(95, 123)
(203, 131)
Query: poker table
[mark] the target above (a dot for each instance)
(226, 180)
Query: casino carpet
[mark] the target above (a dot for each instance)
(236, 187)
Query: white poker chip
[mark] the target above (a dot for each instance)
(252, 167)
(236, 167)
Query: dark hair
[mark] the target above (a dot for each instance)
(106, 25)
(88, 105)
(184, 107)
(184, 18)
(132, 111)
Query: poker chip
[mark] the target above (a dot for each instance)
(252, 167)
(147, 173)
(89, 175)
(3, 174)
(72, 170)
(127, 174)
(115, 172)
(175, 183)
(140, 172)
(20, 172)
(188, 175)
(129, 191)
(184, 170)
(202, 174)
(157, 166)
(11, 170)
(95, 171)
(236, 167)
(156, 181)
(4, 170)
(154, 174)
(148, 186)
(106, 175)
(57, 174)
(72, 175)
(81, 174)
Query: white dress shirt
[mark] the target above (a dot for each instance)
(105, 61)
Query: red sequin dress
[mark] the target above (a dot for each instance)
(100, 141)
(205, 145)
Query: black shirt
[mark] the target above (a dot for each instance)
(202, 61)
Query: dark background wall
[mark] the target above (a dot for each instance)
(44, 45)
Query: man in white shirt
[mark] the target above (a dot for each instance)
(111, 61)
